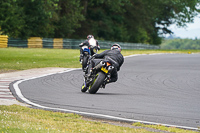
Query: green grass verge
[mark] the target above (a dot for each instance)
(18, 119)
(164, 128)
(23, 58)
(130, 52)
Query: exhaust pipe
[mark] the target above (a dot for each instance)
(110, 68)
(99, 65)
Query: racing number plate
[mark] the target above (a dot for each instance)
(104, 70)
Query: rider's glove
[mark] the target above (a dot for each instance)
(98, 47)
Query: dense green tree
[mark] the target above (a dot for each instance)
(139, 21)
(11, 18)
(24, 19)
(104, 19)
(35, 17)
(45, 18)
(68, 16)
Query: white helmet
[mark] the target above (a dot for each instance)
(116, 46)
(90, 36)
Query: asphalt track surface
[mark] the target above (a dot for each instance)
(161, 88)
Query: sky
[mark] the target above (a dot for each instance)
(191, 31)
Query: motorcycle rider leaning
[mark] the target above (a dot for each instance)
(114, 55)
(90, 39)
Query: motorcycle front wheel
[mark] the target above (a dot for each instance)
(84, 62)
(98, 81)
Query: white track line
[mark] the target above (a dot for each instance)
(20, 95)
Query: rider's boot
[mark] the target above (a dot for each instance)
(84, 86)
(103, 85)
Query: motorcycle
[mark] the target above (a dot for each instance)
(99, 75)
(87, 50)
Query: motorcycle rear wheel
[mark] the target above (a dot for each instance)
(98, 81)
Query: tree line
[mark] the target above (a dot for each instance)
(138, 21)
(181, 44)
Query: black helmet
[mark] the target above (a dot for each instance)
(90, 36)
(116, 46)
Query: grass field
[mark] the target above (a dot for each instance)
(23, 58)
(19, 119)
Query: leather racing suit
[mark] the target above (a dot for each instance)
(114, 56)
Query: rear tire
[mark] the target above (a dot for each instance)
(98, 81)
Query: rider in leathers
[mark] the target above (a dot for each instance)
(90, 39)
(114, 55)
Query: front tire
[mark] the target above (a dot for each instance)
(84, 63)
(98, 81)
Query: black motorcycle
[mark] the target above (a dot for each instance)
(98, 77)
(87, 50)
